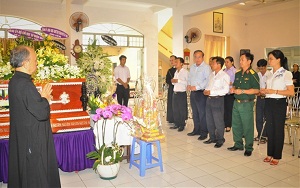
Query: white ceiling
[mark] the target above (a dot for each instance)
(187, 7)
(254, 4)
(157, 5)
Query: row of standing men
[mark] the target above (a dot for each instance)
(220, 99)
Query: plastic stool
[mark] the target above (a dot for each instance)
(145, 157)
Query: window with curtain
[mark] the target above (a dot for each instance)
(215, 46)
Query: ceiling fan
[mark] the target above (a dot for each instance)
(263, 2)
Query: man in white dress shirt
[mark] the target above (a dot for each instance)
(179, 98)
(218, 87)
(122, 76)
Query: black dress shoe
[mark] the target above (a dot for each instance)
(202, 137)
(218, 145)
(233, 148)
(248, 153)
(192, 134)
(180, 129)
(174, 127)
(209, 141)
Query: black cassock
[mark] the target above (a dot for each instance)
(32, 158)
(169, 76)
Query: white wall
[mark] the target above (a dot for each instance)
(233, 26)
(273, 27)
(257, 29)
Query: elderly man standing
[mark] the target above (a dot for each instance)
(197, 82)
(245, 86)
(32, 158)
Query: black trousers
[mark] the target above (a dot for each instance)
(228, 106)
(122, 95)
(260, 115)
(170, 117)
(215, 118)
(179, 108)
(198, 103)
(275, 117)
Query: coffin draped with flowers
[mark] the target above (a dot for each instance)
(67, 112)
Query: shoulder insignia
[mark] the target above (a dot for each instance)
(252, 71)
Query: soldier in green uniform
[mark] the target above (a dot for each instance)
(245, 86)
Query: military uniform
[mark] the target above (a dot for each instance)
(242, 114)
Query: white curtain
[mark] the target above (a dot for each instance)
(214, 46)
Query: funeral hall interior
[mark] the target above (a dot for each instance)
(148, 32)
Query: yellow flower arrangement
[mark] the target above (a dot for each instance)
(52, 64)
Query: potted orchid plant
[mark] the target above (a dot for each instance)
(108, 156)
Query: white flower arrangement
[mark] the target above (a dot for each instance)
(95, 65)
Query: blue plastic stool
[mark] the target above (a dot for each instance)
(145, 157)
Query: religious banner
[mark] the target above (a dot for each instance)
(54, 32)
(27, 34)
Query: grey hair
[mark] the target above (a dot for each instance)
(18, 55)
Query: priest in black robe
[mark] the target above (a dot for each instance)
(32, 157)
(169, 76)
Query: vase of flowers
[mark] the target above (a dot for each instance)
(108, 156)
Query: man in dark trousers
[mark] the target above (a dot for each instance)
(32, 158)
(197, 82)
(169, 77)
(122, 75)
(179, 96)
(217, 88)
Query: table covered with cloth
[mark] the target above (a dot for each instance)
(71, 149)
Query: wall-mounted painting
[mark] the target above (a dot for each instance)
(218, 22)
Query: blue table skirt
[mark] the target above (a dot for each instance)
(71, 149)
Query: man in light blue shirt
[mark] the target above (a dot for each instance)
(197, 82)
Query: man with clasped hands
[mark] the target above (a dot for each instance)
(32, 158)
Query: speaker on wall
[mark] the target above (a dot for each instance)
(242, 51)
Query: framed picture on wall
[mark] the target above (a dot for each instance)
(217, 22)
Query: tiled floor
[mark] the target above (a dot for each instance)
(190, 163)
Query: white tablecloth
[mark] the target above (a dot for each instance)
(123, 136)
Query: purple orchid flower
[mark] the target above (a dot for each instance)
(115, 108)
(125, 109)
(99, 111)
(96, 117)
(126, 116)
(107, 114)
